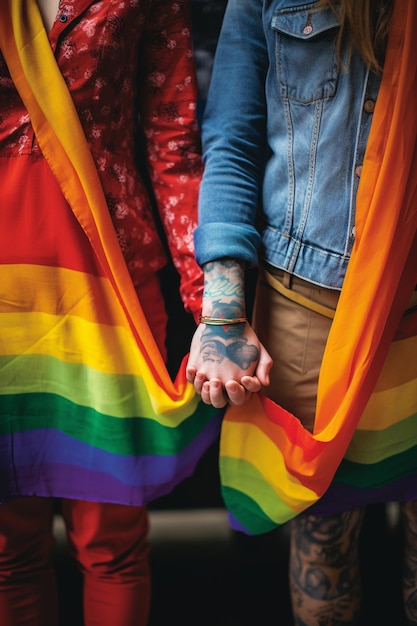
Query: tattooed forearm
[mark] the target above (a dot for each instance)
(224, 298)
(227, 310)
(223, 265)
(224, 286)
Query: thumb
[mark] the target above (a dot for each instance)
(264, 366)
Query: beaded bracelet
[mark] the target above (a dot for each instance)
(221, 321)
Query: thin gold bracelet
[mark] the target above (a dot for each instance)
(221, 321)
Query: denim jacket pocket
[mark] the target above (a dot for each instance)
(306, 54)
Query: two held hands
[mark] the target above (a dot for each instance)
(227, 364)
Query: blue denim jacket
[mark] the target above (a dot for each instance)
(284, 137)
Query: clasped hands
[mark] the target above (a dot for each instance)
(227, 370)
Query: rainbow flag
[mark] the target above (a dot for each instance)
(363, 448)
(87, 407)
(115, 424)
(272, 468)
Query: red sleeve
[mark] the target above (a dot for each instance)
(168, 114)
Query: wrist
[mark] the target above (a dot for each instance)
(222, 321)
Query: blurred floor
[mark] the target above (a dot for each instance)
(206, 575)
(203, 573)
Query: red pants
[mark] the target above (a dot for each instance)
(109, 542)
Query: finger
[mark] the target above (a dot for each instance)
(212, 392)
(190, 373)
(264, 367)
(252, 384)
(205, 393)
(218, 395)
(199, 381)
(236, 393)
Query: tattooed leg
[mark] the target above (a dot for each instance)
(409, 522)
(324, 569)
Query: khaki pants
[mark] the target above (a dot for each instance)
(295, 337)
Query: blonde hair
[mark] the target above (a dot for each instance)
(365, 25)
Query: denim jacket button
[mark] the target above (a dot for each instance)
(369, 106)
(358, 170)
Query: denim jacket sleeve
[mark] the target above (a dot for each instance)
(284, 139)
(234, 160)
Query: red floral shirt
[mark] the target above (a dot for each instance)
(129, 67)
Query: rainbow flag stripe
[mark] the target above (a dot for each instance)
(272, 468)
(82, 413)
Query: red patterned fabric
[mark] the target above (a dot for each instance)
(155, 84)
